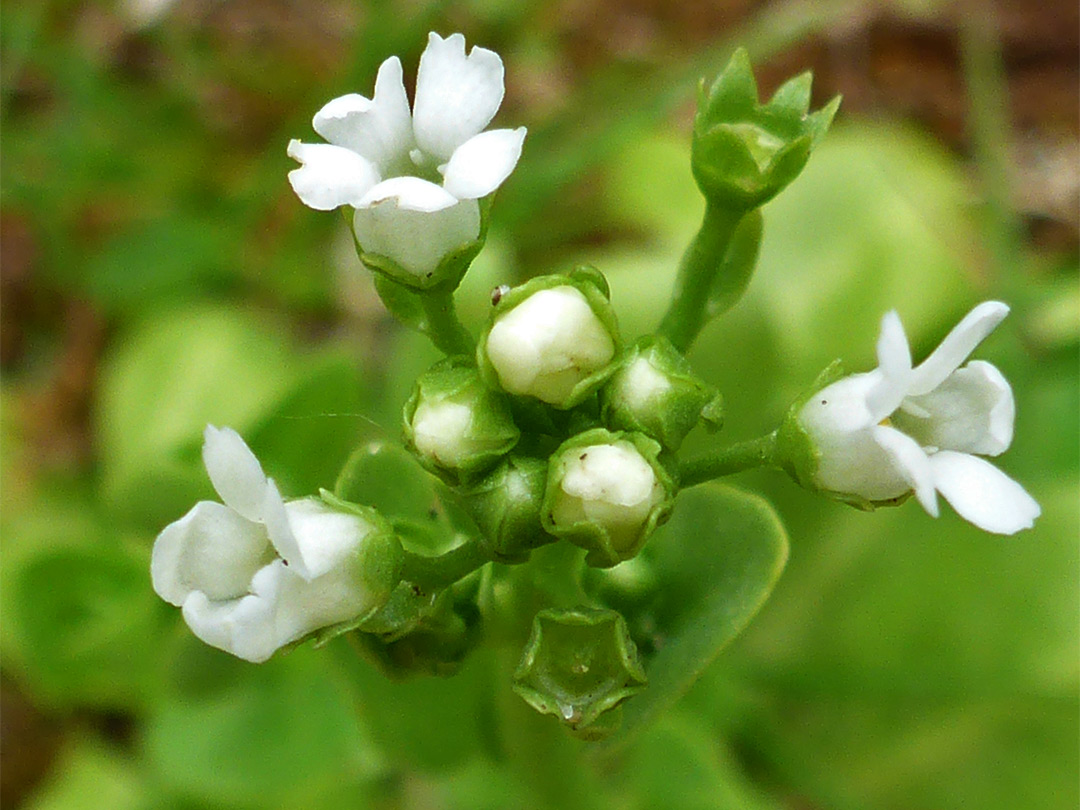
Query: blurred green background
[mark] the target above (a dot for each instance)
(157, 273)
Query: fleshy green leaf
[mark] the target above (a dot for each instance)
(715, 561)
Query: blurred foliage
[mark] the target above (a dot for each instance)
(158, 274)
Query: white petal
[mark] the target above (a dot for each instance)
(245, 627)
(234, 471)
(971, 412)
(894, 364)
(330, 176)
(324, 536)
(304, 607)
(410, 193)
(956, 346)
(480, 165)
(210, 549)
(456, 96)
(982, 494)
(911, 462)
(280, 531)
(416, 240)
(379, 129)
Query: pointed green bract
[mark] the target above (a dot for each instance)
(744, 153)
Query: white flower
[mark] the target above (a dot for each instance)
(549, 343)
(899, 429)
(610, 485)
(256, 573)
(414, 179)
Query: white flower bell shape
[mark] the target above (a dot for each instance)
(413, 178)
(256, 572)
(898, 429)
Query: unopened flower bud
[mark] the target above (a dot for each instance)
(506, 507)
(580, 665)
(607, 492)
(457, 427)
(552, 338)
(655, 392)
(744, 152)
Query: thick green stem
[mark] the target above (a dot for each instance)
(441, 323)
(432, 573)
(759, 452)
(703, 259)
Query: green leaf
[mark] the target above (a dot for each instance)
(387, 478)
(84, 615)
(308, 436)
(228, 733)
(716, 561)
(161, 385)
(89, 776)
(427, 723)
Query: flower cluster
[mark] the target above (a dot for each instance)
(549, 436)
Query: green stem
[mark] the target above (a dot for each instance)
(704, 257)
(759, 452)
(441, 323)
(432, 573)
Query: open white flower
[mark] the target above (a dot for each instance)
(413, 178)
(256, 572)
(899, 429)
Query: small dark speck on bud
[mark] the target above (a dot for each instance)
(498, 293)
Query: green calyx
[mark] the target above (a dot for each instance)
(594, 514)
(580, 665)
(506, 506)
(654, 391)
(745, 152)
(565, 384)
(457, 427)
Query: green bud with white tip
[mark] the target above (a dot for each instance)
(457, 427)
(655, 392)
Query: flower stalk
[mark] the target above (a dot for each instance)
(759, 452)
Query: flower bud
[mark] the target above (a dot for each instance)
(552, 338)
(654, 392)
(456, 426)
(607, 492)
(506, 507)
(743, 152)
(580, 665)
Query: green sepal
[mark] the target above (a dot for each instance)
(456, 381)
(506, 504)
(419, 633)
(591, 284)
(592, 537)
(666, 415)
(580, 665)
(744, 152)
(449, 272)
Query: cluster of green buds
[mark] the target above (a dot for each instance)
(550, 445)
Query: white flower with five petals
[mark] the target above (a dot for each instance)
(898, 429)
(257, 572)
(413, 178)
